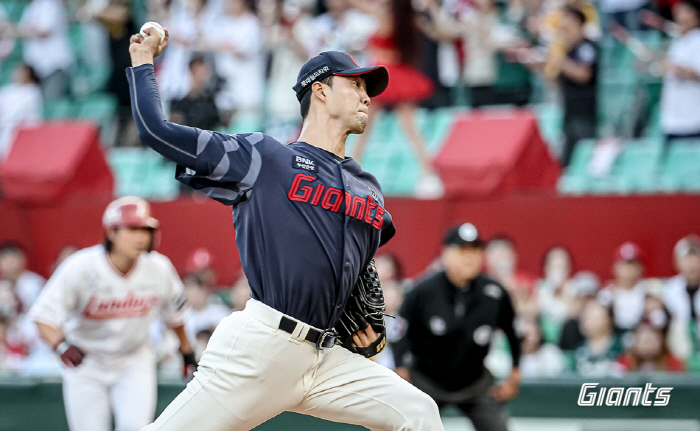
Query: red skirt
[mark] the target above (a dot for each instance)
(406, 84)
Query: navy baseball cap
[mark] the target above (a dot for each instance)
(340, 64)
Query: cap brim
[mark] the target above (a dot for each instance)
(376, 78)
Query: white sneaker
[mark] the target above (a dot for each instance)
(429, 187)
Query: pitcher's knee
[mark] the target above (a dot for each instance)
(421, 413)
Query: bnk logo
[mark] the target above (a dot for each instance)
(589, 396)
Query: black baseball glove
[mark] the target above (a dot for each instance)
(364, 308)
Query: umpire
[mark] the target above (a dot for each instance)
(446, 325)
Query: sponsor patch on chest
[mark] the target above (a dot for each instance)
(299, 162)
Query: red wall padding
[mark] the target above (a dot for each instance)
(591, 227)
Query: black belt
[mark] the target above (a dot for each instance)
(322, 339)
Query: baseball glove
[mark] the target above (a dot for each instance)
(365, 307)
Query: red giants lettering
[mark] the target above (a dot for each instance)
(331, 198)
(131, 306)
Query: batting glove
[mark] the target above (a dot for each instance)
(71, 355)
(189, 364)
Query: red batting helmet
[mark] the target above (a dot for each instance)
(129, 211)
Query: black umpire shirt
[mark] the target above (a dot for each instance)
(445, 332)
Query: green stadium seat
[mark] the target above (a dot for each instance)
(681, 169)
(126, 166)
(142, 172)
(14, 9)
(60, 108)
(549, 119)
(100, 107)
(638, 166)
(551, 330)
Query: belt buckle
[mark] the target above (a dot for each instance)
(328, 334)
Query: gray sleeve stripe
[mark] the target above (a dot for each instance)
(220, 193)
(138, 112)
(253, 171)
(202, 140)
(221, 169)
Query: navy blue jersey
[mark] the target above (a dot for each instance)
(306, 220)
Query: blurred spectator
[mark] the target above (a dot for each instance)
(198, 108)
(502, 266)
(681, 297)
(578, 76)
(343, 28)
(290, 38)
(626, 293)
(238, 46)
(95, 39)
(117, 18)
(584, 285)
(483, 33)
(389, 268)
(395, 45)
(554, 291)
(199, 263)
(13, 268)
(447, 324)
(186, 25)
(600, 349)
(680, 95)
(240, 293)
(391, 277)
(63, 255)
(623, 12)
(207, 310)
(539, 358)
(13, 352)
(44, 29)
(551, 25)
(649, 351)
(20, 105)
(7, 42)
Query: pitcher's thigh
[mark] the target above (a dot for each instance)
(351, 389)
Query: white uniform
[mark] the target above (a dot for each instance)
(107, 315)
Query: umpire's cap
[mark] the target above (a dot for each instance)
(340, 64)
(465, 234)
(129, 211)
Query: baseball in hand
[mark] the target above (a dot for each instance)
(154, 25)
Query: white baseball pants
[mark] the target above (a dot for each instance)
(251, 372)
(126, 387)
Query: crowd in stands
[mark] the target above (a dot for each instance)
(570, 324)
(233, 62)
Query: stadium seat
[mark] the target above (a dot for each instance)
(14, 9)
(681, 169)
(142, 172)
(576, 179)
(100, 107)
(549, 120)
(638, 166)
(60, 108)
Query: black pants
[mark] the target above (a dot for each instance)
(485, 413)
(474, 401)
(575, 129)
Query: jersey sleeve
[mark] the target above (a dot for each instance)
(174, 304)
(506, 321)
(59, 297)
(224, 167)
